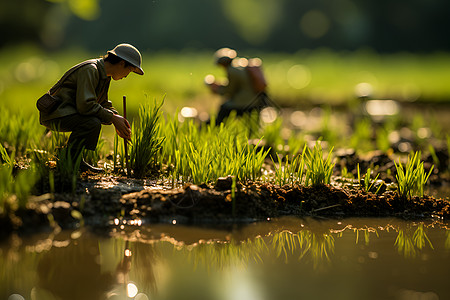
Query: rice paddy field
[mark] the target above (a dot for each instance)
(374, 123)
(344, 180)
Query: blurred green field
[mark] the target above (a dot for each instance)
(299, 80)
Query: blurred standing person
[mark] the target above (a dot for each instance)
(82, 100)
(246, 87)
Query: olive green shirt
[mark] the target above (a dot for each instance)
(239, 91)
(85, 91)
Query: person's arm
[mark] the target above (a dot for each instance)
(86, 96)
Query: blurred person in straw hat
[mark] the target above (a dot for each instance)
(83, 104)
(245, 89)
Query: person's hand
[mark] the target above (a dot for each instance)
(122, 126)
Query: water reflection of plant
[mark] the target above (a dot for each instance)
(447, 239)
(409, 244)
(318, 245)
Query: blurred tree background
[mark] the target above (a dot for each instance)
(268, 25)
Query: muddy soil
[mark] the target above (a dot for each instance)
(102, 201)
(106, 201)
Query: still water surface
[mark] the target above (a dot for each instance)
(287, 258)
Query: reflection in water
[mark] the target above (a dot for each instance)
(409, 244)
(273, 260)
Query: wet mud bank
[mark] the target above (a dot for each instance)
(110, 201)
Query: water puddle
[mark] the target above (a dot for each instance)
(288, 258)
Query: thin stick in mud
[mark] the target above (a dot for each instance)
(125, 142)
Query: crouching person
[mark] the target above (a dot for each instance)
(79, 100)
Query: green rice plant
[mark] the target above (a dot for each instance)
(67, 168)
(281, 172)
(145, 140)
(367, 183)
(327, 131)
(318, 170)
(433, 155)
(19, 131)
(203, 154)
(382, 139)
(291, 171)
(4, 157)
(15, 189)
(295, 143)
(412, 178)
(118, 154)
(361, 140)
(271, 133)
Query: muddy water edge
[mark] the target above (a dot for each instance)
(281, 258)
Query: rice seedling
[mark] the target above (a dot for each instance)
(281, 173)
(412, 178)
(67, 168)
(271, 134)
(4, 157)
(14, 189)
(201, 155)
(145, 141)
(367, 184)
(118, 154)
(382, 139)
(361, 137)
(290, 172)
(318, 170)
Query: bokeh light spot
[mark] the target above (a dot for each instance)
(132, 290)
(268, 115)
(299, 76)
(363, 89)
(298, 118)
(16, 297)
(382, 107)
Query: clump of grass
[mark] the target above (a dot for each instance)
(4, 157)
(292, 171)
(412, 178)
(203, 154)
(145, 140)
(18, 131)
(14, 189)
(367, 184)
(67, 167)
(318, 169)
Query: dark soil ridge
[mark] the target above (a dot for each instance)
(105, 207)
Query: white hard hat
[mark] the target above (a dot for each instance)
(130, 54)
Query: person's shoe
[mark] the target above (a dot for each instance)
(85, 167)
